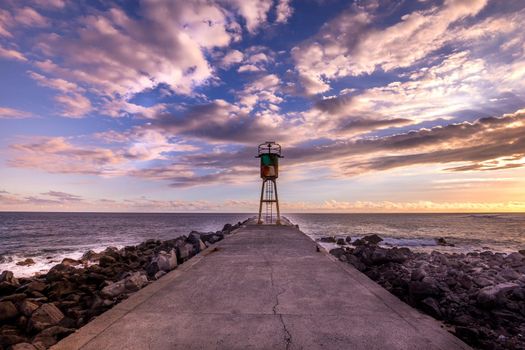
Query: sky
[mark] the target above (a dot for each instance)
(158, 106)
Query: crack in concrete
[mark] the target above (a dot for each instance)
(287, 334)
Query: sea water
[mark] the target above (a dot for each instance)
(49, 237)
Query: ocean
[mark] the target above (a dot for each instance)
(49, 237)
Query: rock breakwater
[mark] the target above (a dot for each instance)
(36, 312)
(480, 295)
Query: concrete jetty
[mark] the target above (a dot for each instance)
(264, 287)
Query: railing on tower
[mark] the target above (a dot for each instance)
(269, 153)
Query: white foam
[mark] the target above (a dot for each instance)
(42, 263)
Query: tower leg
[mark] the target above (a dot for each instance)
(278, 222)
(259, 221)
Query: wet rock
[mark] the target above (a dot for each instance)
(373, 239)
(26, 262)
(227, 228)
(443, 242)
(348, 239)
(45, 316)
(58, 272)
(8, 277)
(70, 262)
(90, 255)
(327, 239)
(359, 242)
(337, 252)
(194, 239)
(340, 241)
(8, 311)
(106, 261)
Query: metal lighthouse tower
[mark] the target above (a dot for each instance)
(269, 153)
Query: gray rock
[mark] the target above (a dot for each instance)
(159, 274)
(135, 282)
(45, 316)
(185, 251)
(488, 296)
(115, 289)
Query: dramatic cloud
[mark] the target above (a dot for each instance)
(57, 155)
(178, 93)
(351, 44)
(254, 12)
(218, 121)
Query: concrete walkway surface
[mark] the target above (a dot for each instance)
(264, 287)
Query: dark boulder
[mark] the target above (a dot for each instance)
(373, 239)
(431, 307)
(8, 311)
(45, 316)
(106, 261)
(337, 252)
(419, 290)
(341, 241)
(328, 239)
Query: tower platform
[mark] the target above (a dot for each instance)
(263, 287)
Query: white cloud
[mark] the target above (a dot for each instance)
(11, 53)
(349, 45)
(231, 57)
(11, 113)
(254, 12)
(284, 11)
